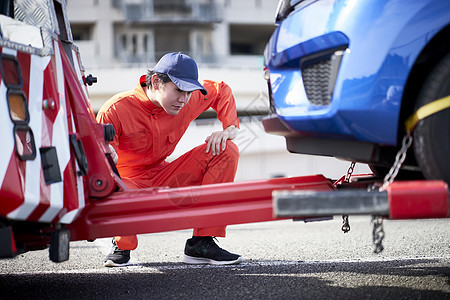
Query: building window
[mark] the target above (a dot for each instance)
(249, 39)
(123, 42)
(134, 46)
(145, 43)
(82, 32)
(171, 40)
(172, 7)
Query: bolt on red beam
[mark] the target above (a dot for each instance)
(166, 209)
(418, 199)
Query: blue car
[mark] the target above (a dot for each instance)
(344, 76)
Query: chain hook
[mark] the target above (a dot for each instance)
(346, 224)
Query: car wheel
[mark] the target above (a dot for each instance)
(432, 134)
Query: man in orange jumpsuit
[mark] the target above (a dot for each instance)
(149, 121)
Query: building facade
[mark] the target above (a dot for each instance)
(139, 32)
(120, 39)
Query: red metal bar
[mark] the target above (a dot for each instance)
(401, 200)
(165, 209)
(418, 199)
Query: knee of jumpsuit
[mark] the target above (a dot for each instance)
(232, 150)
(222, 168)
(230, 154)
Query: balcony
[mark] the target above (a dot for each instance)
(169, 11)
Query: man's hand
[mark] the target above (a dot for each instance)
(114, 155)
(217, 141)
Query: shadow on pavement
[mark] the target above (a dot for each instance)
(251, 280)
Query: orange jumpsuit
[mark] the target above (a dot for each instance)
(146, 135)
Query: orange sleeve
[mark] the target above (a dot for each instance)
(222, 101)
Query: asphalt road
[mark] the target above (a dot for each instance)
(283, 260)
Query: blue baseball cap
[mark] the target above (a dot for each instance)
(182, 70)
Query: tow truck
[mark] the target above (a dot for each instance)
(58, 182)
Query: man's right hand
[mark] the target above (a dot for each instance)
(217, 141)
(114, 155)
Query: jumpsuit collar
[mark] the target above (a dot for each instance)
(143, 99)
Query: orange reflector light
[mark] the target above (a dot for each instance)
(17, 107)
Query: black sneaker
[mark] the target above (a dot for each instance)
(117, 257)
(203, 250)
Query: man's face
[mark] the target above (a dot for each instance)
(171, 98)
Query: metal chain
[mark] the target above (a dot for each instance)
(399, 159)
(345, 223)
(350, 171)
(378, 231)
(377, 234)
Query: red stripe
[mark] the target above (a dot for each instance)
(12, 187)
(13, 243)
(38, 211)
(50, 92)
(24, 63)
(1, 50)
(70, 191)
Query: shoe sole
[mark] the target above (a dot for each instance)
(110, 263)
(201, 260)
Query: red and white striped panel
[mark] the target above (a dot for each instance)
(24, 195)
(71, 215)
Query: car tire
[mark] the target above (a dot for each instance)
(432, 134)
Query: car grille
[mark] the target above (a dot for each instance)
(319, 78)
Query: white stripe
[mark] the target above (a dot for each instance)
(57, 189)
(33, 167)
(78, 72)
(9, 52)
(70, 216)
(6, 133)
(60, 141)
